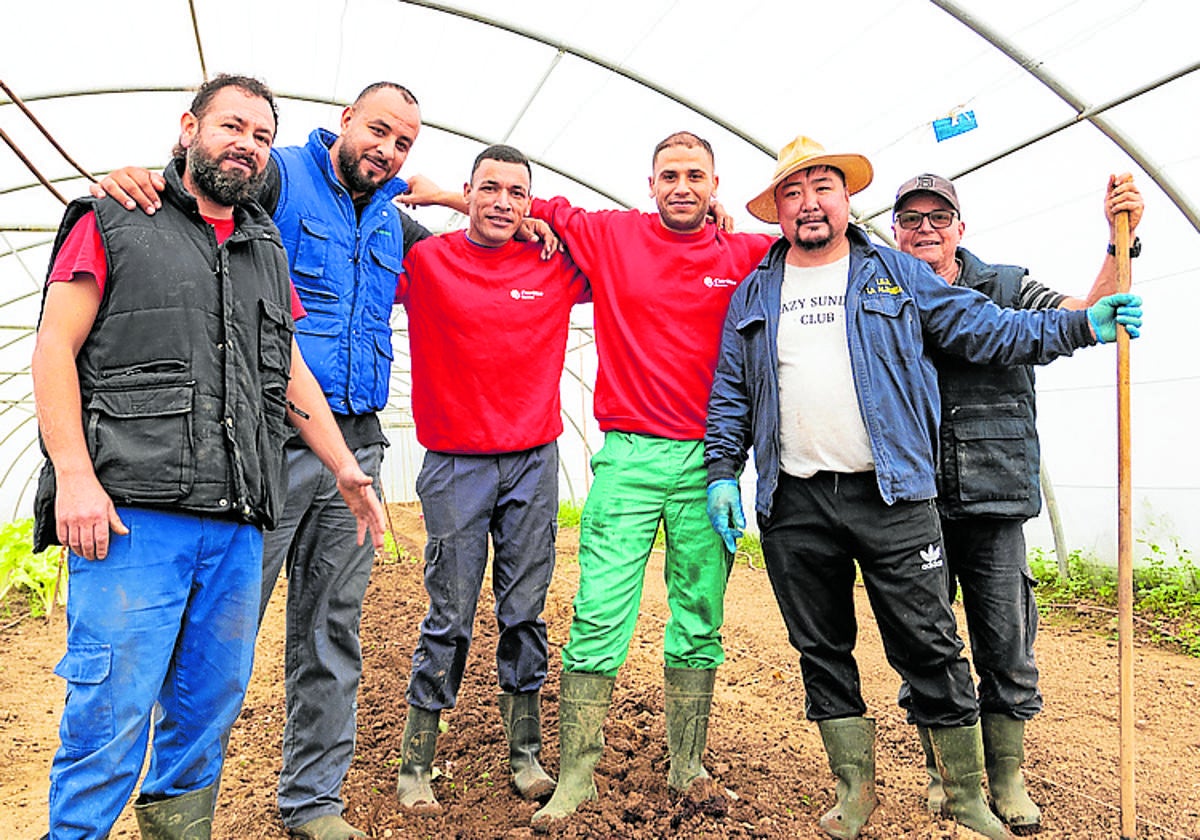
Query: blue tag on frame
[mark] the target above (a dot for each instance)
(954, 125)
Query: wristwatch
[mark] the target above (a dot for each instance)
(1135, 248)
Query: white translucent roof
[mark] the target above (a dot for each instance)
(1063, 94)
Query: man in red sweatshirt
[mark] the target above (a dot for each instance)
(487, 320)
(661, 284)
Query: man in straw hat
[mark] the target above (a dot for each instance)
(823, 370)
(988, 481)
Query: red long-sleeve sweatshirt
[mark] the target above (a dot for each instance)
(660, 300)
(488, 334)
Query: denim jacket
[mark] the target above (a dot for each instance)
(895, 305)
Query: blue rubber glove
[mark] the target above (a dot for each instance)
(1124, 309)
(725, 511)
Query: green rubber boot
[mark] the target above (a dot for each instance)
(413, 785)
(936, 795)
(688, 699)
(850, 746)
(522, 716)
(186, 817)
(1003, 754)
(582, 705)
(959, 752)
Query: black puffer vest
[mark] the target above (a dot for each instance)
(184, 376)
(989, 446)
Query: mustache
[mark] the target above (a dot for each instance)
(377, 160)
(240, 157)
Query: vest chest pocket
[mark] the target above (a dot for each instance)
(274, 338)
(275, 330)
(312, 247)
(140, 440)
(389, 267)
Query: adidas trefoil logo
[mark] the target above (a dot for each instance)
(932, 557)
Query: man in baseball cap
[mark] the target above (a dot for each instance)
(983, 510)
(823, 372)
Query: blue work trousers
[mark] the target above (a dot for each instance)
(513, 498)
(164, 627)
(818, 527)
(328, 572)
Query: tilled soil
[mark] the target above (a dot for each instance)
(761, 750)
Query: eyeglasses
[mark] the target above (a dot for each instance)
(938, 219)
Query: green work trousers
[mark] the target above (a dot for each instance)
(640, 481)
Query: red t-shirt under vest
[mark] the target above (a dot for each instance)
(82, 252)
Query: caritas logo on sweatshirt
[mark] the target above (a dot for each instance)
(526, 294)
(720, 282)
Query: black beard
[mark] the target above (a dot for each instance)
(225, 188)
(813, 245)
(348, 169)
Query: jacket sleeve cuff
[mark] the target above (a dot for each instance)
(1083, 330)
(722, 468)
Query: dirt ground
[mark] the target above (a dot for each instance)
(760, 747)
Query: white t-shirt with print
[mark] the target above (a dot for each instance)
(820, 425)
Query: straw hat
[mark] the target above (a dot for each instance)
(802, 153)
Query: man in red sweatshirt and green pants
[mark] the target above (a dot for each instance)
(661, 284)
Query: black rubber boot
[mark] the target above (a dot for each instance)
(688, 699)
(935, 795)
(413, 787)
(1003, 754)
(850, 746)
(522, 716)
(959, 751)
(186, 817)
(582, 706)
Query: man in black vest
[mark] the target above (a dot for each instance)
(988, 480)
(165, 374)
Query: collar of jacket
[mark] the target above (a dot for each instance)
(974, 270)
(247, 214)
(321, 141)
